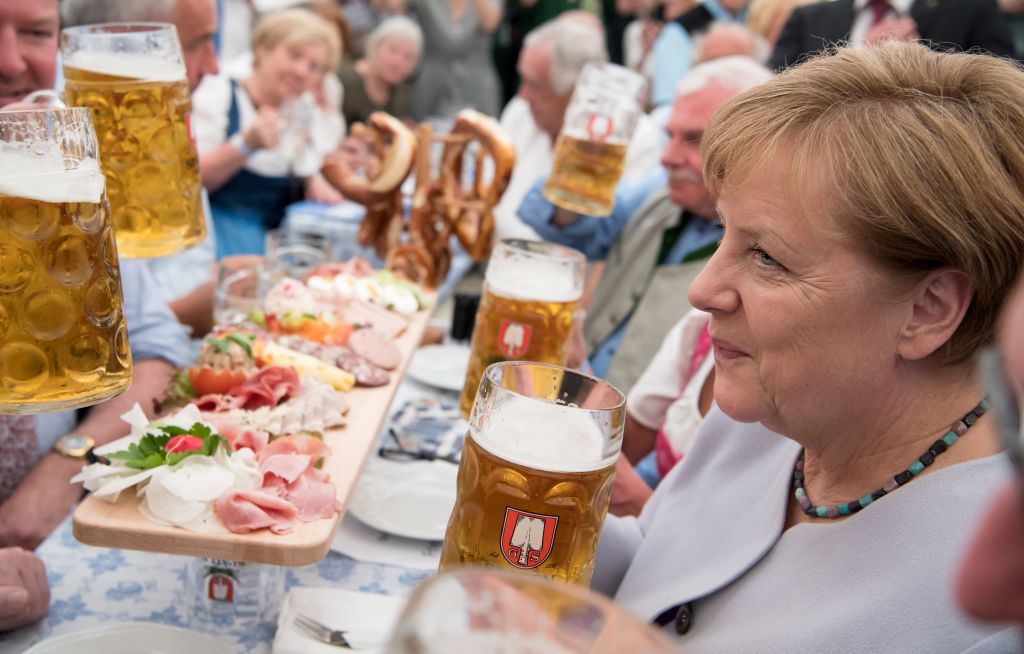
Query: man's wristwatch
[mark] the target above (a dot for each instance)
(75, 446)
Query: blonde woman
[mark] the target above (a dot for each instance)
(873, 211)
(254, 135)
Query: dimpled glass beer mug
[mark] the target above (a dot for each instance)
(531, 290)
(63, 341)
(590, 152)
(491, 612)
(132, 77)
(536, 472)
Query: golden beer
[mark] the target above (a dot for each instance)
(536, 472)
(140, 107)
(585, 175)
(526, 312)
(499, 497)
(63, 340)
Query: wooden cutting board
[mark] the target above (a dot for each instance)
(120, 525)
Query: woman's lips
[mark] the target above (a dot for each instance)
(725, 350)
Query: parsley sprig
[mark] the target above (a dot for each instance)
(151, 450)
(244, 341)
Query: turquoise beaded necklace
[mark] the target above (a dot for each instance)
(958, 429)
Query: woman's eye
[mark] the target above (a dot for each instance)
(764, 258)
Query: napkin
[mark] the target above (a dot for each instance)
(369, 617)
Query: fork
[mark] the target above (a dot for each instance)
(321, 632)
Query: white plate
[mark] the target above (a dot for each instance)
(132, 638)
(413, 499)
(442, 366)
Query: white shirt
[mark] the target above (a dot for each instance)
(863, 16)
(294, 154)
(666, 396)
(534, 157)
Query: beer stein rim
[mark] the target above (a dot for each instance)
(611, 390)
(126, 27)
(543, 250)
(10, 116)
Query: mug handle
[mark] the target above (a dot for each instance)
(46, 97)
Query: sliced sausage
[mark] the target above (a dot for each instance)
(375, 346)
(366, 373)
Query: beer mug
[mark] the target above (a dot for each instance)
(132, 77)
(63, 341)
(590, 152)
(531, 290)
(487, 612)
(536, 472)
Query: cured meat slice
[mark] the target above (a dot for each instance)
(361, 312)
(313, 496)
(286, 466)
(377, 347)
(366, 373)
(311, 446)
(243, 511)
(326, 353)
(267, 388)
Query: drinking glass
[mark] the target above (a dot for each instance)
(63, 340)
(536, 471)
(222, 593)
(531, 290)
(238, 292)
(295, 252)
(590, 152)
(491, 612)
(132, 77)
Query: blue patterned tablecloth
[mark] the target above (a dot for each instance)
(93, 586)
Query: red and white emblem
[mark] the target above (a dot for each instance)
(220, 588)
(599, 127)
(513, 339)
(527, 538)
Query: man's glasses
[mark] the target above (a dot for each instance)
(1006, 408)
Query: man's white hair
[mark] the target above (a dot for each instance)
(395, 27)
(88, 12)
(574, 44)
(737, 73)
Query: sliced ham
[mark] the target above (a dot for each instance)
(376, 346)
(239, 436)
(267, 388)
(313, 496)
(367, 314)
(286, 466)
(243, 511)
(299, 444)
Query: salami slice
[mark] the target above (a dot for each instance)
(366, 373)
(375, 346)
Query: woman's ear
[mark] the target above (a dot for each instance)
(940, 301)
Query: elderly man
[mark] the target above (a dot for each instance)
(553, 56)
(36, 499)
(659, 223)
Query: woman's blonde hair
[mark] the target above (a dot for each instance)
(297, 27)
(918, 154)
(763, 14)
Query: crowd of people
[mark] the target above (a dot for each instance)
(809, 252)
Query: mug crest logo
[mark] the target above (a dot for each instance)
(220, 588)
(599, 127)
(527, 538)
(513, 339)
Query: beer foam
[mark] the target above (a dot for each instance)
(544, 436)
(44, 178)
(534, 279)
(135, 67)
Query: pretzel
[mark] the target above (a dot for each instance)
(470, 211)
(395, 145)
